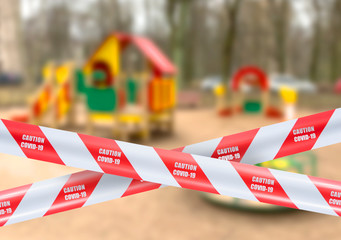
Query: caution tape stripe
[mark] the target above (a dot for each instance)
(172, 168)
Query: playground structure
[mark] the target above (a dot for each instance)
(133, 103)
(289, 99)
(249, 94)
(54, 99)
(250, 89)
(136, 103)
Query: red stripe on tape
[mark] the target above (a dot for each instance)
(304, 134)
(32, 142)
(186, 171)
(233, 147)
(180, 149)
(263, 185)
(9, 201)
(75, 192)
(138, 186)
(109, 156)
(331, 192)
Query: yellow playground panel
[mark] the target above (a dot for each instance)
(107, 53)
(55, 96)
(289, 99)
(64, 91)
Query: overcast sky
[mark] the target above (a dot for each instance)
(30, 7)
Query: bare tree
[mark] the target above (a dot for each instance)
(254, 38)
(316, 40)
(335, 40)
(280, 11)
(177, 12)
(232, 9)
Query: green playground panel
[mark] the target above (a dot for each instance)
(252, 106)
(80, 81)
(98, 76)
(98, 99)
(132, 88)
(104, 100)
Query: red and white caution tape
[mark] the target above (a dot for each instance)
(244, 181)
(65, 193)
(180, 169)
(274, 141)
(99, 154)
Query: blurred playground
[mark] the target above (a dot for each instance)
(167, 74)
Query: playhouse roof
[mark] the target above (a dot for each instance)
(154, 55)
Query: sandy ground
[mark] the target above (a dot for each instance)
(171, 213)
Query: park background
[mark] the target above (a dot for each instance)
(207, 41)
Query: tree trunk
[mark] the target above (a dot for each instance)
(335, 36)
(229, 39)
(315, 51)
(178, 33)
(280, 17)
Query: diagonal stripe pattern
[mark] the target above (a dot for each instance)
(170, 167)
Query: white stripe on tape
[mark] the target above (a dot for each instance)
(302, 192)
(267, 142)
(147, 163)
(7, 143)
(331, 133)
(71, 149)
(204, 148)
(109, 187)
(38, 199)
(225, 178)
